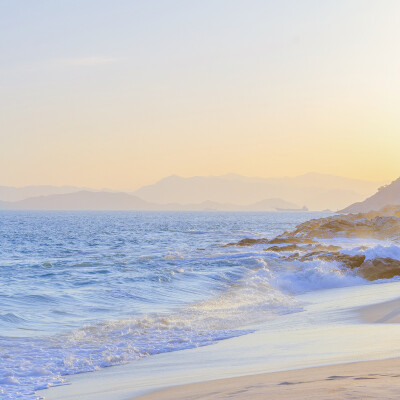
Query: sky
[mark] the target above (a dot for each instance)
(121, 93)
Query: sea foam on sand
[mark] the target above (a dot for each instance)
(376, 379)
(330, 330)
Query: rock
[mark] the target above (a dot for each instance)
(288, 238)
(384, 224)
(289, 247)
(379, 268)
(344, 259)
(370, 225)
(251, 242)
(303, 244)
(321, 247)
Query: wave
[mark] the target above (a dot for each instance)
(12, 318)
(378, 251)
(312, 275)
(173, 296)
(264, 292)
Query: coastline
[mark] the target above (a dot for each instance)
(334, 322)
(376, 379)
(386, 312)
(282, 348)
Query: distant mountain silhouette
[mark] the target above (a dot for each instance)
(264, 205)
(225, 192)
(386, 195)
(86, 200)
(9, 193)
(82, 200)
(317, 191)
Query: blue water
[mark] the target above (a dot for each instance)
(85, 290)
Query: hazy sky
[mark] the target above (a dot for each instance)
(121, 93)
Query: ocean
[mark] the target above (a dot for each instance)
(81, 291)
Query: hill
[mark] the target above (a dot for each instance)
(87, 200)
(10, 193)
(386, 195)
(82, 200)
(317, 191)
(225, 192)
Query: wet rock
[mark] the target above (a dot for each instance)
(379, 268)
(371, 225)
(321, 247)
(289, 239)
(303, 244)
(346, 260)
(289, 247)
(251, 242)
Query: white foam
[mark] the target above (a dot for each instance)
(42, 362)
(266, 290)
(377, 251)
(316, 275)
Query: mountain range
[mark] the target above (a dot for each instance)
(9, 193)
(316, 191)
(225, 192)
(90, 200)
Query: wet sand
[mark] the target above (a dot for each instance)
(363, 380)
(387, 312)
(378, 379)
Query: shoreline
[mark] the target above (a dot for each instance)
(387, 312)
(377, 379)
(311, 320)
(332, 319)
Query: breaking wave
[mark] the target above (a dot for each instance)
(106, 289)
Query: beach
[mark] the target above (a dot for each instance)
(317, 316)
(200, 200)
(337, 335)
(364, 380)
(174, 299)
(376, 379)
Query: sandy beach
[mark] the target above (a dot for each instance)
(377, 379)
(363, 380)
(199, 200)
(337, 335)
(310, 320)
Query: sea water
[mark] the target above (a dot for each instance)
(80, 291)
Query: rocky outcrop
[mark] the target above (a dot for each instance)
(379, 268)
(287, 238)
(346, 260)
(302, 244)
(249, 242)
(316, 248)
(377, 225)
